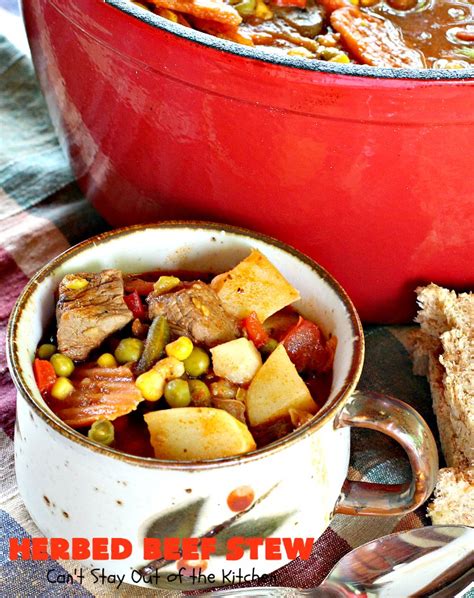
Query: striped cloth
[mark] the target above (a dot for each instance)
(42, 213)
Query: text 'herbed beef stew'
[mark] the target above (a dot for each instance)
(184, 367)
(383, 33)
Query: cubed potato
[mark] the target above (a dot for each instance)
(194, 433)
(237, 360)
(254, 285)
(276, 388)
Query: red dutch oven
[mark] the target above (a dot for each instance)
(367, 170)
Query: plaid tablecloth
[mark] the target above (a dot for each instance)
(42, 213)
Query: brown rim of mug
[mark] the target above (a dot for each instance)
(325, 414)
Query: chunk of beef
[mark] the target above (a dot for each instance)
(308, 21)
(90, 308)
(195, 310)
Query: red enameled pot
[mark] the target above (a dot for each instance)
(367, 170)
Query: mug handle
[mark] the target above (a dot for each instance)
(401, 422)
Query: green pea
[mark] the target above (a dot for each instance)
(197, 363)
(102, 431)
(128, 349)
(46, 351)
(200, 394)
(63, 365)
(177, 393)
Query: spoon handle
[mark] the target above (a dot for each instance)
(324, 591)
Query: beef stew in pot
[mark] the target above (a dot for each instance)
(384, 33)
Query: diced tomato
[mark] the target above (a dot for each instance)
(45, 375)
(255, 330)
(305, 346)
(135, 305)
(142, 287)
(289, 3)
(465, 35)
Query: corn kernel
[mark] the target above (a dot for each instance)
(181, 348)
(62, 388)
(342, 58)
(262, 11)
(107, 360)
(167, 14)
(151, 384)
(302, 52)
(77, 283)
(165, 284)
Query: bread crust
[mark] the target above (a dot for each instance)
(443, 350)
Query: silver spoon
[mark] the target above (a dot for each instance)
(433, 561)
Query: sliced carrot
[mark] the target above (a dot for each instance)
(100, 393)
(213, 10)
(224, 31)
(374, 40)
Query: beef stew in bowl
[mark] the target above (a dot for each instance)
(181, 365)
(124, 495)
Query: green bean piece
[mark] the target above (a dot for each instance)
(197, 363)
(63, 365)
(157, 338)
(128, 349)
(102, 431)
(46, 351)
(245, 8)
(177, 393)
(200, 393)
(269, 347)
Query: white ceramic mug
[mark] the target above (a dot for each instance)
(74, 487)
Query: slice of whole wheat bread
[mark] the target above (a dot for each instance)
(443, 350)
(454, 497)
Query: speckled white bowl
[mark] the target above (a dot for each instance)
(74, 487)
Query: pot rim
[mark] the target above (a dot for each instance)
(323, 416)
(228, 47)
